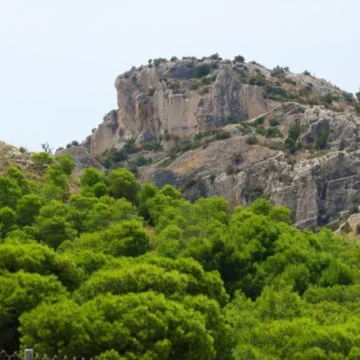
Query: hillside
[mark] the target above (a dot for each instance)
(238, 130)
(124, 271)
(184, 97)
(12, 156)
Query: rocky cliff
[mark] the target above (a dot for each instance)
(185, 97)
(237, 130)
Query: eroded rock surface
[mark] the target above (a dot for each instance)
(167, 102)
(317, 185)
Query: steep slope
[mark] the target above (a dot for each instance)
(238, 130)
(184, 97)
(12, 156)
(318, 182)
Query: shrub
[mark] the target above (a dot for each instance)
(358, 95)
(358, 228)
(151, 146)
(215, 56)
(158, 61)
(202, 138)
(75, 143)
(348, 97)
(239, 58)
(229, 169)
(278, 70)
(184, 146)
(278, 146)
(202, 70)
(357, 108)
(93, 130)
(252, 140)
(259, 120)
(328, 98)
(174, 58)
(294, 133)
(230, 119)
(261, 130)
(174, 85)
(142, 161)
(274, 121)
(112, 157)
(207, 80)
(273, 132)
(322, 139)
(237, 159)
(346, 227)
(307, 73)
(259, 79)
(205, 90)
(221, 135)
(278, 93)
(130, 146)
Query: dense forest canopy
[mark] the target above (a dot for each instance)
(119, 270)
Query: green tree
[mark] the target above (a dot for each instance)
(169, 241)
(145, 194)
(7, 220)
(36, 258)
(21, 292)
(27, 209)
(123, 184)
(173, 331)
(91, 177)
(127, 238)
(55, 230)
(64, 163)
(20, 179)
(42, 159)
(10, 192)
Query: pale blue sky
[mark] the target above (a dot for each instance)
(59, 58)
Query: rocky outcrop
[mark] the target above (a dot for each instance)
(184, 97)
(82, 157)
(168, 102)
(317, 185)
(12, 156)
(168, 99)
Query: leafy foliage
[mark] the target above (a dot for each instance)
(202, 70)
(123, 271)
(291, 141)
(239, 58)
(322, 139)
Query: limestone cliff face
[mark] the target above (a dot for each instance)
(318, 185)
(153, 102)
(188, 96)
(168, 102)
